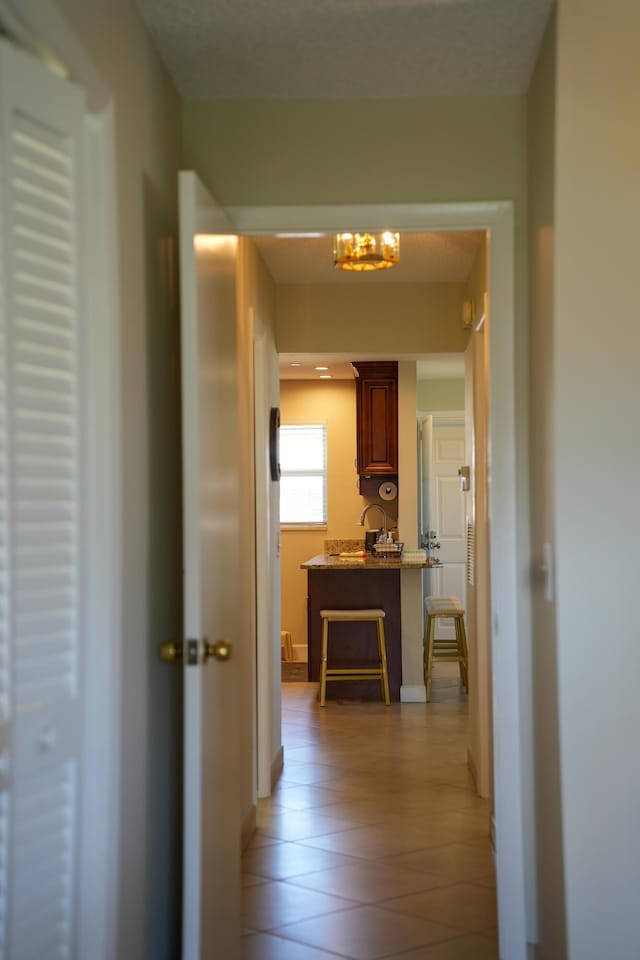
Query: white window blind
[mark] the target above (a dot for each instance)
(303, 480)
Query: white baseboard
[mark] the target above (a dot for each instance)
(413, 693)
(248, 827)
(276, 766)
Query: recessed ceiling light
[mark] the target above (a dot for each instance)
(324, 376)
(295, 364)
(321, 368)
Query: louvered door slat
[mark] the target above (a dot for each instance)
(40, 472)
(49, 334)
(39, 308)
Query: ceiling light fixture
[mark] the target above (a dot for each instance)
(366, 251)
(325, 376)
(321, 368)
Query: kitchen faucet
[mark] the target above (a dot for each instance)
(379, 506)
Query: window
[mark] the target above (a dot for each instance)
(303, 479)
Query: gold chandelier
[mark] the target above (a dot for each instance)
(366, 251)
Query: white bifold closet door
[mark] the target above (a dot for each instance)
(41, 523)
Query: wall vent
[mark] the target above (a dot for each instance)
(471, 553)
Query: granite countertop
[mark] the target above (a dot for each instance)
(327, 561)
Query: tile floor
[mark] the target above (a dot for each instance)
(373, 844)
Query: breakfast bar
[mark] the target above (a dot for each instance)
(345, 582)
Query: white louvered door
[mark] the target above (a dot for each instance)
(41, 550)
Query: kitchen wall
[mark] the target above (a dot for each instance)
(332, 402)
(368, 317)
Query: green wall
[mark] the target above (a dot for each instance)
(440, 395)
(358, 151)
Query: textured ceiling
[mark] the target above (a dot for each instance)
(334, 49)
(424, 258)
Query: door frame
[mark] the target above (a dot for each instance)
(512, 734)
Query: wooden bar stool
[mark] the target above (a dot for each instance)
(353, 673)
(286, 646)
(443, 651)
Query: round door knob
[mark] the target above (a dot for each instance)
(221, 649)
(170, 652)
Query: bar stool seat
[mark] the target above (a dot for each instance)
(353, 673)
(445, 651)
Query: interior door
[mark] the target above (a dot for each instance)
(446, 516)
(211, 882)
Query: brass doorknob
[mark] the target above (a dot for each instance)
(170, 652)
(221, 649)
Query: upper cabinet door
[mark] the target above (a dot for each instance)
(377, 418)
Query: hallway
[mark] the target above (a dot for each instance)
(373, 845)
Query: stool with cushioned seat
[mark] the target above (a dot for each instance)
(354, 672)
(445, 651)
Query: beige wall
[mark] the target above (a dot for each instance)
(370, 317)
(548, 833)
(434, 395)
(596, 464)
(148, 143)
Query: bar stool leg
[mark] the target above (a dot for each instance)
(431, 630)
(463, 652)
(323, 662)
(382, 652)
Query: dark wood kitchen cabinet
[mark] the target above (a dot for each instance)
(377, 417)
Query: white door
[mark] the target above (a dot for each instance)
(211, 882)
(446, 516)
(42, 559)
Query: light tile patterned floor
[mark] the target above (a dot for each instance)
(373, 845)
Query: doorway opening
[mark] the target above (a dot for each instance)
(497, 220)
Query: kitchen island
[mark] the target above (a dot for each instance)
(341, 583)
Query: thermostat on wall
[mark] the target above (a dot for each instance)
(388, 490)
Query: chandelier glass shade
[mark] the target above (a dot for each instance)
(366, 251)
